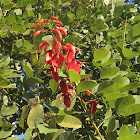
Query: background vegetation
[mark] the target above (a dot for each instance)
(108, 34)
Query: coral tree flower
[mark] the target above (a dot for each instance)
(93, 106)
(38, 32)
(65, 89)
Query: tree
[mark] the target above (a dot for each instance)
(103, 41)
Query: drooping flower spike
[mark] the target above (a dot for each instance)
(55, 58)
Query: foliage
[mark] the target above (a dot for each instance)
(108, 36)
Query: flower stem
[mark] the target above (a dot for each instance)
(86, 111)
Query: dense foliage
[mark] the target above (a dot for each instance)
(106, 36)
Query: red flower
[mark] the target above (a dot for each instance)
(58, 33)
(73, 65)
(63, 31)
(41, 21)
(88, 92)
(37, 25)
(48, 56)
(58, 59)
(67, 101)
(93, 106)
(54, 18)
(38, 32)
(58, 22)
(57, 45)
(63, 86)
(42, 44)
(54, 74)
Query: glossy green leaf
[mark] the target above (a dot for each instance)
(43, 128)
(124, 131)
(68, 135)
(53, 85)
(68, 121)
(118, 11)
(9, 110)
(73, 76)
(85, 85)
(108, 72)
(25, 110)
(83, 76)
(126, 106)
(107, 87)
(5, 134)
(100, 54)
(128, 53)
(131, 86)
(28, 134)
(112, 125)
(136, 30)
(52, 108)
(27, 68)
(119, 81)
(34, 80)
(33, 117)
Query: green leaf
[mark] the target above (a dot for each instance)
(73, 76)
(68, 121)
(5, 100)
(118, 11)
(5, 134)
(6, 2)
(86, 85)
(108, 72)
(48, 38)
(124, 131)
(12, 138)
(100, 54)
(68, 135)
(83, 76)
(128, 53)
(71, 16)
(129, 36)
(35, 116)
(131, 86)
(99, 26)
(136, 30)
(28, 134)
(43, 128)
(118, 80)
(19, 43)
(132, 129)
(112, 125)
(53, 85)
(126, 106)
(53, 108)
(34, 80)
(25, 110)
(27, 68)
(106, 87)
(80, 13)
(4, 83)
(9, 110)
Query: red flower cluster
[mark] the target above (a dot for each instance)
(55, 57)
